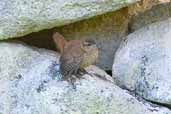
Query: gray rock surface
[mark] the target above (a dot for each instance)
(155, 14)
(143, 62)
(21, 17)
(29, 84)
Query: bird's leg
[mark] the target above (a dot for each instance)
(83, 71)
(77, 73)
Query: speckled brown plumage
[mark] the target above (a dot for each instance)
(75, 55)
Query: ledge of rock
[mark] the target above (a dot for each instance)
(143, 62)
(29, 84)
(156, 13)
(21, 17)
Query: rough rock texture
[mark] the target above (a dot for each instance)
(157, 13)
(142, 6)
(20, 17)
(29, 84)
(143, 62)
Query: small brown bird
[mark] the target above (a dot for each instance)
(75, 55)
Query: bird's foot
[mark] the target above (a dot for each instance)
(80, 73)
(79, 76)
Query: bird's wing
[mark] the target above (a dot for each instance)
(70, 63)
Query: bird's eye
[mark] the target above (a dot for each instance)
(87, 44)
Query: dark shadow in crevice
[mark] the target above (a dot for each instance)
(159, 104)
(109, 72)
(41, 39)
